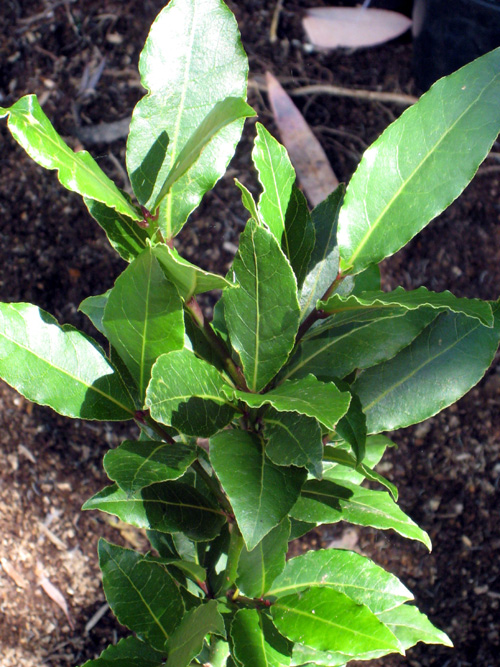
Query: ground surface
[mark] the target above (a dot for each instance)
(52, 254)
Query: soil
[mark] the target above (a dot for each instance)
(52, 254)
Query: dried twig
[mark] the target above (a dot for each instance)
(273, 31)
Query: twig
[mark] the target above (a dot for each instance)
(273, 36)
(339, 91)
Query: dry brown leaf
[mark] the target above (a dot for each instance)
(54, 593)
(311, 164)
(353, 27)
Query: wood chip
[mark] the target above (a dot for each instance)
(11, 572)
(54, 593)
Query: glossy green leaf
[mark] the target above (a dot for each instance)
(448, 358)
(375, 447)
(345, 459)
(307, 396)
(326, 619)
(420, 164)
(188, 393)
(187, 639)
(257, 569)
(329, 502)
(277, 177)
(262, 316)
(411, 626)
(143, 317)
(224, 113)
(412, 300)
(299, 528)
(78, 172)
(135, 465)
(93, 307)
(345, 571)
(188, 278)
(129, 652)
(256, 643)
(59, 366)
(194, 59)
(261, 493)
(352, 427)
(298, 240)
(294, 439)
(339, 351)
(168, 507)
(367, 281)
(324, 263)
(248, 201)
(142, 595)
(305, 655)
(123, 232)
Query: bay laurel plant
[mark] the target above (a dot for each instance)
(304, 367)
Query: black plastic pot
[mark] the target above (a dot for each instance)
(448, 34)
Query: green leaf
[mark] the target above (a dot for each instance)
(193, 58)
(261, 493)
(298, 240)
(294, 440)
(188, 278)
(367, 281)
(126, 236)
(135, 465)
(448, 358)
(329, 502)
(129, 652)
(277, 177)
(374, 450)
(257, 569)
(187, 640)
(169, 507)
(143, 317)
(352, 426)
(339, 351)
(307, 396)
(420, 164)
(256, 643)
(324, 263)
(411, 626)
(343, 458)
(142, 595)
(299, 528)
(248, 201)
(93, 307)
(263, 315)
(78, 172)
(188, 393)
(345, 571)
(224, 113)
(326, 619)
(412, 300)
(59, 366)
(305, 655)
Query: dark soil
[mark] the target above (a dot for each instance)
(52, 254)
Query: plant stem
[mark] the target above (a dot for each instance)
(217, 344)
(159, 430)
(233, 556)
(318, 314)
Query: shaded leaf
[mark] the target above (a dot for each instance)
(345, 571)
(307, 396)
(329, 502)
(448, 358)
(420, 164)
(262, 493)
(202, 40)
(308, 157)
(353, 27)
(187, 639)
(188, 393)
(78, 172)
(143, 317)
(262, 316)
(257, 569)
(188, 278)
(142, 595)
(93, 307)
(326, 619)
(299, 237)
(129, 652)
(135, 465)
(59, 366)
(294, 439)
(168, 507)
(352, 426)
(256, 643)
